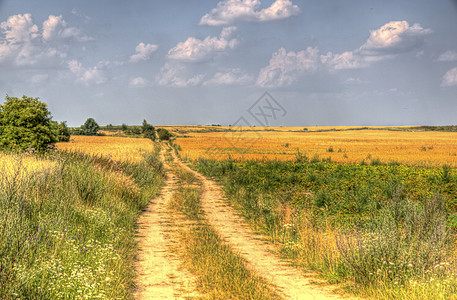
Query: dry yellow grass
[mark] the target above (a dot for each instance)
(414, 148)
(117, 148)
(22, 166)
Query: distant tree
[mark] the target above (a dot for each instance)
(148, 131)
(124, 127)
(25, 122)
(164, 135)
(90, 127)
(109, 126)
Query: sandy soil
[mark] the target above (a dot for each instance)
(158, 268)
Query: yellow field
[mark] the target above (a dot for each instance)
(14, 166)
(414, 148)
(117, 148)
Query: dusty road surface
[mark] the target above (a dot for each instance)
(158, 269)
(289, 281)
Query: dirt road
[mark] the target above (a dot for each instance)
(158, 269)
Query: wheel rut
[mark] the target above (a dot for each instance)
(158, 268)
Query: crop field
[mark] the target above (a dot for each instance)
(23, 166)
(117, 148)
(341, 144)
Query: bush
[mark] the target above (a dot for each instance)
(164, 135)
(25, 123)
(90, 127)
(148, 131)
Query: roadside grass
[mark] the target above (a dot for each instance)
(68, 231)
(221, 273)
(386, 231)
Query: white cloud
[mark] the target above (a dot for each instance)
(450, 78)
(352, 80)
(448, 56)
(139, 82)
(55, 28)
(349, 60)
(143, 52)
(391, 39)
(285, 67)
(229, 11)
(394, 37)
(384, 43)
(194, 50)
(177, 75)
(86, 76)
(232, 77)
(24, 44)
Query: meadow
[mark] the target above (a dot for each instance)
(77, 215)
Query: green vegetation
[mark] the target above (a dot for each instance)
(148, 131)
(90, 127)
(164, 134)
(62, 131)
(25, 123)
(387, 228)
(77, 226)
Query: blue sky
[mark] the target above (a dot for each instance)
(202, 62)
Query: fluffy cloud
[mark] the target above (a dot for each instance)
(448, 56)
(23, 43)
(384, 43)
(229, 11)
(143, 52)
(232, 77)
(177, 75)
(450, 78)
(139, 82)
(391, 39)
(194, 50)
(55, 28)
(85, 75)
(394, 37)
(285, 67)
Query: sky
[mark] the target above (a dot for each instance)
(234, 62)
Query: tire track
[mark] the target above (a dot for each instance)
(158, 269)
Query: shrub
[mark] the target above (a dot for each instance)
(164, 135)
(25, 123)
(90, 127)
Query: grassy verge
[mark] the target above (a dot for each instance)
(67, 231)
(384, 229)
(221, 273)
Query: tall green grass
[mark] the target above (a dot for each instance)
(68, 232)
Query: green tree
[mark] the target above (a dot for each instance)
(63, 132)
(25, 122)
(148, 131)
(90, 127)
